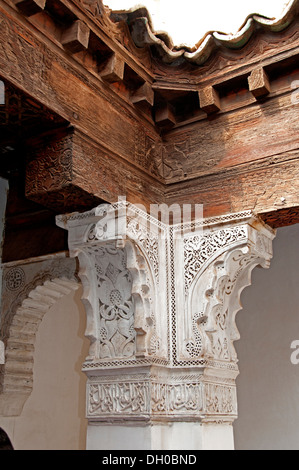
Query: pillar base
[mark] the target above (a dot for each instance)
(173, 436)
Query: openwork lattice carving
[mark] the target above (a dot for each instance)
(201, 249)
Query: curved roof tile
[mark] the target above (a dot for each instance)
(143, 34)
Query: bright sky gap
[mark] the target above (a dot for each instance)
(188, 21)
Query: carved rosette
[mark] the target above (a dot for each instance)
(161, 303)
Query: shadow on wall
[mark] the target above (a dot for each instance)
(5, 443)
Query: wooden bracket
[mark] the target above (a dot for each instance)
(165, 116)
(76, 37)
(259, 83)
(209, 100)
(143, 95)
(112, 70)
(30, 7)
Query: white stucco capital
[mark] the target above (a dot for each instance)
(161, 302)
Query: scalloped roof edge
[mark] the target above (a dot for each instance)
(143, 33)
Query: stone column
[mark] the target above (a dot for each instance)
(161, 302)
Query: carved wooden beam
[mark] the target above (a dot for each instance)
(50, 178)
(259, 83)
(67, 171)
(76, 37)
(269, 188)
(209, 100)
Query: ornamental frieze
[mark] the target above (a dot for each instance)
(173, 397)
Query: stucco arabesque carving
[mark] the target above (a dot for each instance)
(120, 260)
(217, 267)
(159, 304)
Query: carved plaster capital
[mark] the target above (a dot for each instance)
(120, 251)
(161, 302)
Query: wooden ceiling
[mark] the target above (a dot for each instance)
(99, 106)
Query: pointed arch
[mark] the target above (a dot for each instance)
(16, 379)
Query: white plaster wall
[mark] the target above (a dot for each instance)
(173, 436)
(53, 417)
(268, 385)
